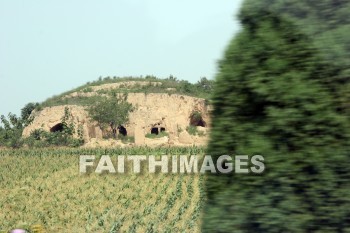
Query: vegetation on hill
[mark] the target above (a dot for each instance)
(111, 112)
(62, 136)
(281, 94)
(170, 85)
(11, 131)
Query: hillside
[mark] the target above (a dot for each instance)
(164, 112)
(93, 91)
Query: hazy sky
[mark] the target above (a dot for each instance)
(47, 47)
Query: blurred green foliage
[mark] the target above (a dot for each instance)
(282, 91)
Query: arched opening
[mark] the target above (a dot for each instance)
(162, 129)
(57, 128)
(200, 122)
(122, 130)
(154, 130)
(197, 120)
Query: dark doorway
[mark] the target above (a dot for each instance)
(154, 131)
(57, 128)
(200, 123)
(162, 129)
(122, 131)
(196, 120)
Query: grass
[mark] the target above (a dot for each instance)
(126, 139)
(192, 130)
(159, 135)
(180, 87)
(43, 187)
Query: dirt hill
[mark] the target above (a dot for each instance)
(167, 114)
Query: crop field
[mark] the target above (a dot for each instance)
(42, 191)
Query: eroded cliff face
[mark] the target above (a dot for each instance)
(153, 112)
(171, 112)
(49, 119)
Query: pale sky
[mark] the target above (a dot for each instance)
(48, 47)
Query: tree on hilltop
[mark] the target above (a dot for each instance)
(111, 112)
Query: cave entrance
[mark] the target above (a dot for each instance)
(162, 129)
(155, 131)
(57, 128)
(197, 120)
(200, 122)
(122, 130)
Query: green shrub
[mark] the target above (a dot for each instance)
(276, 96)
(192, 130)
(11, 132)
(111, 112)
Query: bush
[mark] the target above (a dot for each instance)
(11, 133)
(275, 96)
(111, 112)
(192, 130)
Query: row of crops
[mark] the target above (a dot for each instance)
(144, 150)
(43, 188)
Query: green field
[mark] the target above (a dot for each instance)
(44, 187)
